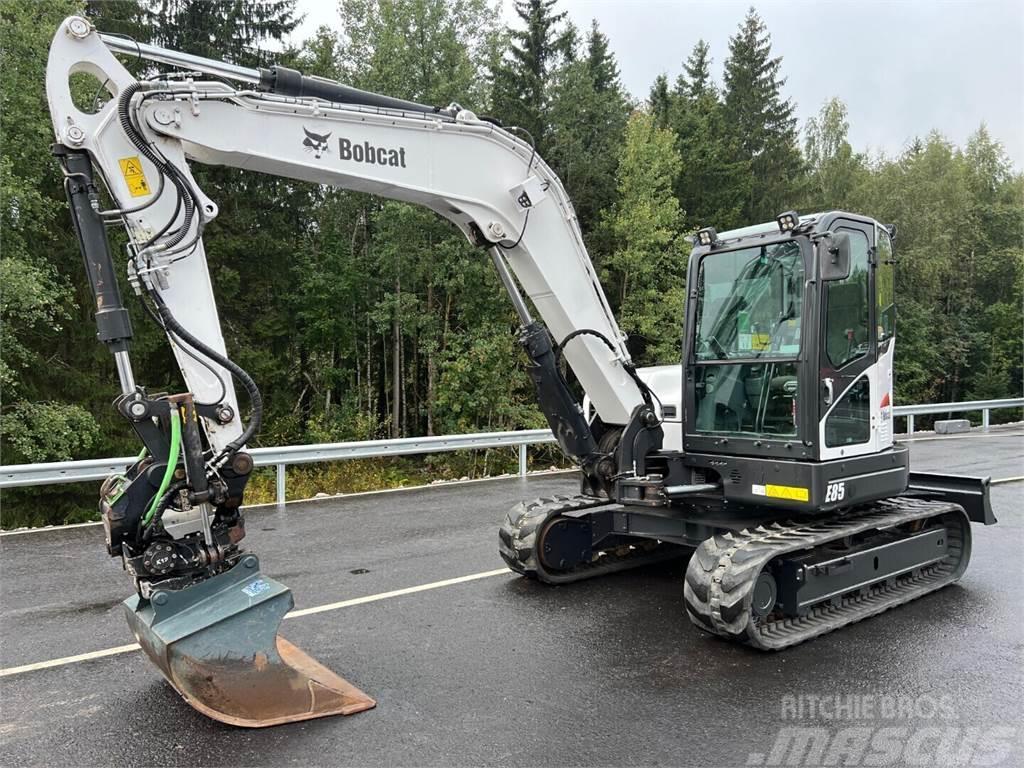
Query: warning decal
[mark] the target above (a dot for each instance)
(131, 169)
(793, 493)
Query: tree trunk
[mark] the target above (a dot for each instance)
(396, 361)
(431, 367)
(305, 402)
(330, 388)
(383, 399)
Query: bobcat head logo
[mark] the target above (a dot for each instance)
(316, 143)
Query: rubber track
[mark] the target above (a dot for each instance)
(518, 539)
(720, 577)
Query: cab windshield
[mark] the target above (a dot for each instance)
(749, 303)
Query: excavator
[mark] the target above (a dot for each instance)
(767, 455)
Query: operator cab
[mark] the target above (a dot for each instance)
(789, 342)
(787, 370)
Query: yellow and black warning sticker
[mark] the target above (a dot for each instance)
(791, 492)
(134, 177)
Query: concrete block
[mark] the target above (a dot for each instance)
(952, 426)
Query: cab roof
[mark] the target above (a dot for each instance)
(817, 221)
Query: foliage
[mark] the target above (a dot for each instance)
(231, 30)
(646, 270)
(834, 171)
(960, 267)
(41, 416)
(36, 432)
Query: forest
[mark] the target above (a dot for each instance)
(364, 318)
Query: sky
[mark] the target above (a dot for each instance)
(903, 67)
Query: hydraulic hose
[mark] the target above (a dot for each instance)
(172, 464)
(255, 398)
(163, 165)
(645, 391)
(163, 502)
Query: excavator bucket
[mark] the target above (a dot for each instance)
(216, 642)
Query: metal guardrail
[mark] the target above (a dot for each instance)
(910, 411)
(52, 473)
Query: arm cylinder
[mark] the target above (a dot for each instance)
(112, 323)
(289, 82)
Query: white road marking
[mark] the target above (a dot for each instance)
(65, 660)
(395, 593)
(1002, 480)
(49, 528)
(68, 660)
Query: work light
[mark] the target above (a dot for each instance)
(707, 236)
(788, 221)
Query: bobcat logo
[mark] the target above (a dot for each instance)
(316, 143)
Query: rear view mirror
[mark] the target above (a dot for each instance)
(834, 256)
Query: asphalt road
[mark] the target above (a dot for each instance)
(502, 671)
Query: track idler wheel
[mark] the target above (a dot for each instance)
(216, 643)
(764, 596)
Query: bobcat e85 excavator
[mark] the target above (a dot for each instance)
(769, 452)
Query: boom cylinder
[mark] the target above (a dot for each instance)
(563, 413)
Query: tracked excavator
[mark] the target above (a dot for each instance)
(768, 453)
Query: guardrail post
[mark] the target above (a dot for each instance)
(280, 483)
(522, 459)
(984, 419)
(910, 424)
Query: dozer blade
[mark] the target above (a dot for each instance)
(216, 643)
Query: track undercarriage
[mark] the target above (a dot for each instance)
(768, 585)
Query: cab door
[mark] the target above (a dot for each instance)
(848, 370)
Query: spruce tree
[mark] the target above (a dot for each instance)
(587, 118)
(695, 81)
(713, 184)
(261, 217)
(604, 71)
(761, 120)
(228, 30)
(522, 82)
(121, 17)
(660, 101)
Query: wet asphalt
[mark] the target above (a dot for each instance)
(502, 671)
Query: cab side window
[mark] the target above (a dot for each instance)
(847, 335)
(850, 420)
(885, 289)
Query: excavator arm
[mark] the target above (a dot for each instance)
(174, 515)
